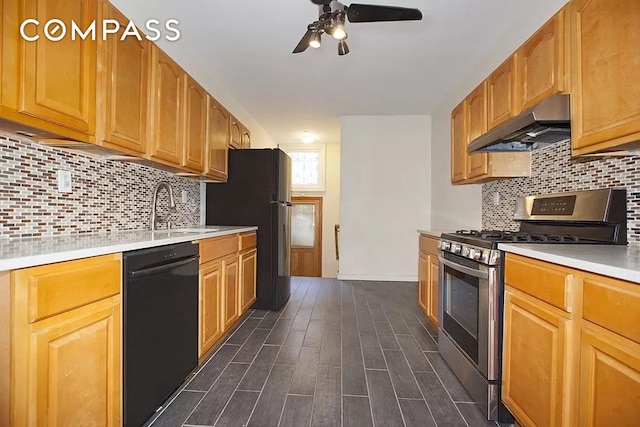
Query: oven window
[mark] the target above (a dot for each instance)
(461, 310)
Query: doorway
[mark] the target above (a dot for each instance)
(306, 236)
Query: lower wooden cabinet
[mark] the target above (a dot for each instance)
(210, 322)
(248, 270)
(230, 290)
(609, 378)
(564, 369)
(428, 270)
(536, 340)
(227, 285)
(66, 347)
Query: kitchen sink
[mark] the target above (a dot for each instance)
(186, 231)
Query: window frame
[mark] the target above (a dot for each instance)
(308, 148)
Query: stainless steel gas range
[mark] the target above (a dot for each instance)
(472, 280)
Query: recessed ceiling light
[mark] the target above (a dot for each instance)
(308, 137)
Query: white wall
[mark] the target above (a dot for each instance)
(385, 188)
(456, 207)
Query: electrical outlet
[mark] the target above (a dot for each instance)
(496, 199)
(64, 181)
(184, 196)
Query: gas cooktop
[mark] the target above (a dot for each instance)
(503, 236)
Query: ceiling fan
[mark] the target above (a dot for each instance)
(332, 16)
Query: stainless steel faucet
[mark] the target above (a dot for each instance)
(172, 204)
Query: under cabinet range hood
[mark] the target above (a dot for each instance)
(546, 123)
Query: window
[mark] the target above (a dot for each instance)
(307, 166)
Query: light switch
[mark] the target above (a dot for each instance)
(64, 181)
(184, 196)
(496, 199)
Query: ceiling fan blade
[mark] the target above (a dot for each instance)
(304, 42)
(320, 1)
(375, 13)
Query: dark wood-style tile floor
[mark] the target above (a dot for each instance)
(340, 353)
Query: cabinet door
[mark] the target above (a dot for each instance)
(433, 291)
(248, 268)
(246, 138)
(72, 371)
(423, 279)
(58, 79)
(210, 305)
(458, 145)
(167, 88)
(605, 89)
(236, 133)
(541, 62)
(217, 140)
(535, 369)
(195, 125)
(124, 83)
(476, 125)
(502, 103)
(609, 379)
(230, 283)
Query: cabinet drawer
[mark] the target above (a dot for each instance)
(55, 288)
(429, 244)
(551, 284)
(247, 241)
(211, 249)
(612, 304)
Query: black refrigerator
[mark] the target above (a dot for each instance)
(258, 192)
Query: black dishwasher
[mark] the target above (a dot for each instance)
(160, 318)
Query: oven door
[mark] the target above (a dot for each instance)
(468, 310)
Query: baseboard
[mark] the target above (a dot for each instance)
(377, 278)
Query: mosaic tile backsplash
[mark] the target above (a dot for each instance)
(106, 195)
(554, 171)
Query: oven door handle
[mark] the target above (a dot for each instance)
(463, 269)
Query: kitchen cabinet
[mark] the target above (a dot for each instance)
(571, 346)
(230, 291)
(218, 136)
(123, 82)
(605, 90)
(210, 322)
(458, 145)
(502, 94)
(248, 262)
(543, 61)
(65, 353)
(475, 116)
(166, 109)
(195, 117)
(246, 138)
(49, 87)
(236, 133)
(428, 271)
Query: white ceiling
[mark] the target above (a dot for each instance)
(394, 68)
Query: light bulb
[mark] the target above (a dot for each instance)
(307, 137)
(314, 41)
(339, 33)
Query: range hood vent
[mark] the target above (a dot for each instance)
(546, 123)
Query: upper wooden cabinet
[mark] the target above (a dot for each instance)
(605, 89)
(195, 126)
(166, 108)
(246, 138)
(458, 145)
(543, 62)
(218, 136)
(475, 112)
(123, 83)
(236, 133)
(49, 86)
(502, 99)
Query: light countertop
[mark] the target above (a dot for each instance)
(433, 233)
(620, 262)
(21, 253)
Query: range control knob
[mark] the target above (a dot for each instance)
(475, 254)
(456, 248)
(445, 246)
(465, 251)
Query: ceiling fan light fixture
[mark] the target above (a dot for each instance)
(343, 49)
(339, 32)
(314, 41)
